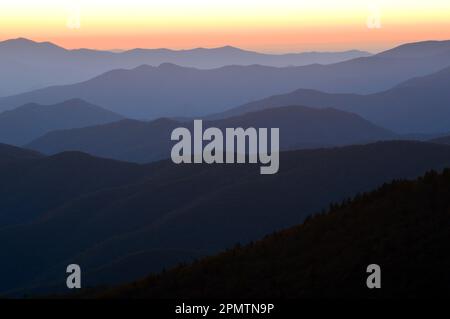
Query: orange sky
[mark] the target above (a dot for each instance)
(263, 25)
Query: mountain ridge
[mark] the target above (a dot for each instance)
(29, 121)
(131, 140)
(418, 105)
(149, 92)
(10, 154)
(302, 262)
(21, 61)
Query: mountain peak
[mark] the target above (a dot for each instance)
(75, 101)
(230, 48)
(19, 40)
(168, 65)
(27, 43)
(29, 121)
(143, 67)
(18, 43)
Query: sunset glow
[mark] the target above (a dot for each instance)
(264, 25)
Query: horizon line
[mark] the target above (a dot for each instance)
(119, 50)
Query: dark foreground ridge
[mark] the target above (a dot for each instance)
(402, 226)
(121, 221)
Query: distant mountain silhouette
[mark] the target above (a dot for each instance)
(11, 154)
(170, 91)
(23, 61)
(402, 227)
(129, 140)
(305, 127)
(300, 127)
(32, 120)
(107, 214)
(441, 140)
(419, 105)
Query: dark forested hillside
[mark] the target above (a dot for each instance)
(402, 226)
(106, 214)
(32, 184)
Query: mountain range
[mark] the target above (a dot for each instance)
(419, 105)
(130, 140)
(23, 61)
(105, 215)
(29, 121)
(170, 90)
(93, 184)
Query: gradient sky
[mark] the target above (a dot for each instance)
(262, 25)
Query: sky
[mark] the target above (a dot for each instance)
(275, 26)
